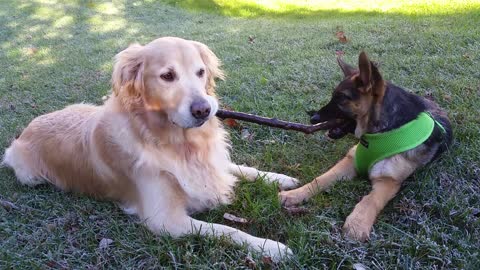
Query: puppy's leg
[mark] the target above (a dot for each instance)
(387, 177)
(344, 169)
(359, 223)
(251, 174)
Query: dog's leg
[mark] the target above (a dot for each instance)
(387, 177)
(162, 207)
(187, 225)
(251, 174)
(359, 223)
(344, 169)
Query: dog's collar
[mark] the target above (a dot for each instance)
(377, 146)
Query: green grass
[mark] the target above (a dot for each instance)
(57, 53)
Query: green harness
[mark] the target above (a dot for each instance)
(375, 147)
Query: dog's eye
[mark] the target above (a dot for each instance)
(201, 72)
(343, 97)
(169, 76)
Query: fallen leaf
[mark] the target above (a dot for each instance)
(447, 97)
(236, 219)
(251, 264)
(31, 50)
(341, 37)
(104, 243)
(267, 260)
(229, 122)
(251, 39)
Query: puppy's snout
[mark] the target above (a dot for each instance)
(200, 109)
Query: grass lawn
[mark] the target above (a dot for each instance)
(280, 62)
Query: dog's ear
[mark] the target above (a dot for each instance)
(212, 64)
(365, 71)
(127, 72)
(346, 68)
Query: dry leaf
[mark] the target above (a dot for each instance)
(104, 243)
(233, 218)
(229, 122)
(251, 39)
(341, 36)
(267, 260)
(31, 50)
(447, 98)
(251, 264)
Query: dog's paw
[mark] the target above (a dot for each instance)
(284, 181)
(275, 250)
(357, 228)
(292, 197)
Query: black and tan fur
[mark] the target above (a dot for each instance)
(368, 104)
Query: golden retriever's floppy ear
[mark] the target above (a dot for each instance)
(128, 71)
(213, 66)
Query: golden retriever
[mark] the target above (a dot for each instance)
(155, 146)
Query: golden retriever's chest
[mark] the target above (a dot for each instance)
(201, 175)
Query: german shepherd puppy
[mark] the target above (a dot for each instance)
(367, 104)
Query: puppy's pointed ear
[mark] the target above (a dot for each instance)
(365, 71)
(346, 68)
(212, 64)
(127, 75)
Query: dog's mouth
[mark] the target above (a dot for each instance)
(339, 127)
(195, 124)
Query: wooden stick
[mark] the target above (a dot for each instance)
(273, 122)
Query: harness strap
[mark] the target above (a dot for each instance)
(377, 146)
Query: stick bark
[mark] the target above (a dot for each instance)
(274, 122)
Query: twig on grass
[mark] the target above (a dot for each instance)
(274, 122)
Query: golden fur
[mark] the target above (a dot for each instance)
(143, 148)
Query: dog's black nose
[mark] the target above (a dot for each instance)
(315, 119)
(200, 109)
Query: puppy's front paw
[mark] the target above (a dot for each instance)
(357, 227)
(292, 197)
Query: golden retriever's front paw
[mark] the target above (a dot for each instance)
(357, 228)
(292, 197)
(284, 181)
(287, 182)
